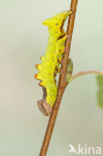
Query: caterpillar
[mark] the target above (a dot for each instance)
(51, 61)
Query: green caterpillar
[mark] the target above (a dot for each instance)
(50, 63)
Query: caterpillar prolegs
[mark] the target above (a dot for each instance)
(50, 62)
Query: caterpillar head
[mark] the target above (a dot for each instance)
(56, 23)
(44, 107)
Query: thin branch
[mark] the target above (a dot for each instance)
(62, 81)
(86, 73)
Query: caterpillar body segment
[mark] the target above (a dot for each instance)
(50, 62)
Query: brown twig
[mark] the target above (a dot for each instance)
(62, 81)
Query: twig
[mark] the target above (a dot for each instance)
(62, 81)
(86, 73)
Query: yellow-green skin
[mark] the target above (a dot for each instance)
(51, 61)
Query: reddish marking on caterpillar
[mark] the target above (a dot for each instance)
(59, 61)
(40, 84)
(35, 76)
(37, 66)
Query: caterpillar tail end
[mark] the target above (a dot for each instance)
(44, 107)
